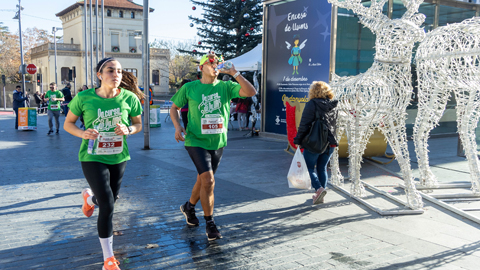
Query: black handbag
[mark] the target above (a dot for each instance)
(317, 138)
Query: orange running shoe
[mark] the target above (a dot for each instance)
(86, 208)
(111, 264)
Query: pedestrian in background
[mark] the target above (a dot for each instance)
(184, 109)
(54, 99)
(18, 102)
(208, 114)
(38, 100)
(82, 125)
(107, 112)
(320, 98)
(67, 93)
(241, 109)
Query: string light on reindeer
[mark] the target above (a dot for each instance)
(379, 97)
(448, 60)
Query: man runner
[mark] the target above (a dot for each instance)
(206, 132)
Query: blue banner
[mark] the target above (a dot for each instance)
(297, 53)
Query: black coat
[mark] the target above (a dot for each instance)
(18, 100)
(67, 94)
(328, 108)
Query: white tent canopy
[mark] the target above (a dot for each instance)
(250, 61)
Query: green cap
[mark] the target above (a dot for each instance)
(211, 56)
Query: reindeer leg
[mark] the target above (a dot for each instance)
(395, 132)
(336, 175)
(357, 142)
(432, 100)
(468, 110)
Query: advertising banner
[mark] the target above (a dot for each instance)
(155, 120)
(27, 118)
(297, 53)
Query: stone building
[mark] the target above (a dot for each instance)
(123, 21)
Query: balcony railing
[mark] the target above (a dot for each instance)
(60, 47)
(159, 51)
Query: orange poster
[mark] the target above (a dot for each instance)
(22, 118)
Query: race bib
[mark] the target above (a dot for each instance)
(109, 143)
(212, 124)
(53, 107)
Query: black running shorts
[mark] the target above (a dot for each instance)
(205, 160)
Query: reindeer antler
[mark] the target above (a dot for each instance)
(371, 17)
(412, 9)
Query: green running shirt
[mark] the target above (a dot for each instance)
(103, 114)
(54, 105)
(208, 112)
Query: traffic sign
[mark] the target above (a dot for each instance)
(31, 69)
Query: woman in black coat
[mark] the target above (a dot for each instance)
(320, 98)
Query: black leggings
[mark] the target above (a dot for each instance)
(205, 160)
(105, 181)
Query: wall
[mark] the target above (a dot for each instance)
(9, 94)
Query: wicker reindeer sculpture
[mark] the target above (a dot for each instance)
(379, 97)
(448, 59)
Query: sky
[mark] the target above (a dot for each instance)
(167, 22)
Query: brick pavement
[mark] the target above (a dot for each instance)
(264, 224)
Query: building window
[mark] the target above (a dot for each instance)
(132, 43)
(132, 15)
(120, 14)
(109, 13)
(132, 70)
(64, 74)
(71, 41)
(156, 77)
(94, 11)
(115, 40)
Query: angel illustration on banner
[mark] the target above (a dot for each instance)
(295, 58)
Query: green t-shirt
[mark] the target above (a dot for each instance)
(103, 114)
(54, 105)
(208, 112)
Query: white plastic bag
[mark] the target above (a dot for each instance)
(298, 176)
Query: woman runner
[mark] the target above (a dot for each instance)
(107, 112)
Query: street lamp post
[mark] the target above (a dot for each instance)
(54, 30)
(85, 41)
(22, 69)
(146, 71)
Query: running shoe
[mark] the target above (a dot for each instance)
(212, 231)
(318, 196)
(189, 214)
(50, 132)
(111, 264)
(86, 208)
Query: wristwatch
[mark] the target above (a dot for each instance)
(130, 130)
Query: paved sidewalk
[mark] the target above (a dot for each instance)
(265, 225)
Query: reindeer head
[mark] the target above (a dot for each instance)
(395, 38)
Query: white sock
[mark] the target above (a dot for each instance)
(90, 201)
(107, 247)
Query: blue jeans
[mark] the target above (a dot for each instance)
(319, 179)
(65, 109)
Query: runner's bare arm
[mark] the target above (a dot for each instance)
(71, 128)
(176, 122)
(247, 89)
(122, 129)
(136, 124)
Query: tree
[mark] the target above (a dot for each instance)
(228, 27)
(10, 50)
(179, 65)
(3, 29)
